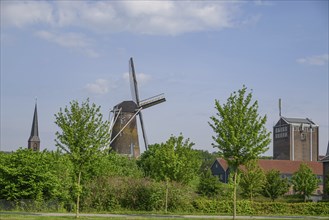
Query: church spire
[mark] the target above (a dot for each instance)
(34, 140)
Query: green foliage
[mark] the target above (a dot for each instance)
(113, 164)
(26, 174)
(207, 160)
(209, 185)
(36, 177)
(174, 161)
(171, 161)
(83, 135)
(245, 207)
(252, 180)
(241, 135)
(275, 186)
(326, 181)
(139, 194)
(304, 181)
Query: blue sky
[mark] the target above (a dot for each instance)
(193, 51)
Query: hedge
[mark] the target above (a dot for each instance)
(244, 207)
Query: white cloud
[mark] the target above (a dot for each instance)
(99, 87)
(21, 13)
(69, 40)
(143, 17)
(317, 60)
(142, 78)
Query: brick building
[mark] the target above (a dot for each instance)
(295, 139)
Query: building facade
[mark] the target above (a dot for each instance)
(295, 139)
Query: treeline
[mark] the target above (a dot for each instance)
(45, 181)
(109, 182)
(171, 176)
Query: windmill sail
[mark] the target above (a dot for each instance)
(124, 137)
(143, 130)
(133, 82)
(152, 101)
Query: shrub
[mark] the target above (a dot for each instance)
(114, 193)
(244, 207)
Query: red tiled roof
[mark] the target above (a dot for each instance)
(223, 163)
(284, 166)
(290, 167)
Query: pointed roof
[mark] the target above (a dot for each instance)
(223, 163)
(34, 130)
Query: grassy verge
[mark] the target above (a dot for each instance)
(62, 216)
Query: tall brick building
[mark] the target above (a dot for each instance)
(295, 139)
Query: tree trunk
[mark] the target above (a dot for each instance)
(166, 205)
(78, 196)
(234, 194)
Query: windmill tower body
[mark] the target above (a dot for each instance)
(127, 140)
(124, 134)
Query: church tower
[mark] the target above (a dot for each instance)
(34, 140)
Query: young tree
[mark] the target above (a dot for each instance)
(275, 186)
(304, 181)
(174, 160)
(252, 180)
(83, 134)
(241, 135)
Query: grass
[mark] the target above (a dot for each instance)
(61, 216)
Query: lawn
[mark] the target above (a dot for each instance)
(59, 216)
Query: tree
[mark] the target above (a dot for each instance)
(174, 160)
(275, 186)
(83, 134)
(209, 185)
(27, 174)
(304, 181)
(207, 160)
(326, 181)
(252, 180)
(241, 135)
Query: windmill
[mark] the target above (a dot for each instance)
(124, 132)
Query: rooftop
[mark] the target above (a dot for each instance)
(284, 166)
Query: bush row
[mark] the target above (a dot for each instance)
(137, 194)
(244, 207)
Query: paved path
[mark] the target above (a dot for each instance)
(157, 216)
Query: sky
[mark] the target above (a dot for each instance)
(195, 52)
